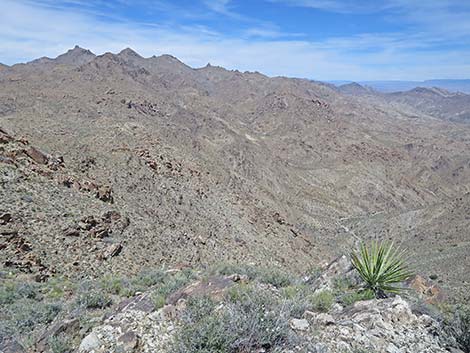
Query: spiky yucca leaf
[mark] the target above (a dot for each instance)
(381, 266)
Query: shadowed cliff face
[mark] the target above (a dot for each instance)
(165, 164)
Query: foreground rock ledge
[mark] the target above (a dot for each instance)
(385, 325)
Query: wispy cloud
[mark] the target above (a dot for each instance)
(32, 29)
(339, 6)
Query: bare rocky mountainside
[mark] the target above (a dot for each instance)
(116, 163)
(434, 102)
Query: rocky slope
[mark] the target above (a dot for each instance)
(151, 162)
(301, 321)
(432, 101)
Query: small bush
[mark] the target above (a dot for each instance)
(115, 285)
(11, 292)
(342, 284)
(25, 315)
(352, 297)
(94, 300)
(458, 327)
(59, 344)
(322, 301)
(159, 300)
(251, 319)
(273, 276)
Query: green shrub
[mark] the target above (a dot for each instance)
(56, 288)
(381, 267)
(273, 276)
(24, 315)
(342, 284)
(458, 327)
(115, 285)
(251, 319)
(11, 291)
(355, 296)
(93, 300)
(59, 344)
(159, 300)
(322, 301)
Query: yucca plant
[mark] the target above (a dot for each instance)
(382, 266)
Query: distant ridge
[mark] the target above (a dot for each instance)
(355, 88)
(461, 85)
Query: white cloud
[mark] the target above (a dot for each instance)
(28, 31)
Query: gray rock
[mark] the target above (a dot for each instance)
(299, 324)
(89, 343)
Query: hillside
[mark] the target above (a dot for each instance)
(434, 102)
(149, 162)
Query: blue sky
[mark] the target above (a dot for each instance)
(318, 39)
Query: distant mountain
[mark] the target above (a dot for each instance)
(354, 88)
(75, 57)
(395, 86)
(3, 66)
(436, 102)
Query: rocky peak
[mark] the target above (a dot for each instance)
(76, 56)
(129, 53)
(354, 88)
(432, 91)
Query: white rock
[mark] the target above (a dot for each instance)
(299, 324)
(89, 343)
(324, 319)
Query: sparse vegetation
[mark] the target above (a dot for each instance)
(59, 344)
(355, 296)
(458, 327)
(273, 276)
(252, 319)
(322, 301)
(381, 267)
(94, 300)
(28, 306)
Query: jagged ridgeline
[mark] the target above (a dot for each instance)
(114, 164)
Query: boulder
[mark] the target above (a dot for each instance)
(67, 326)
(36, 155)
(89, 343)
(299, 324)
(214, 287)
(111, 251)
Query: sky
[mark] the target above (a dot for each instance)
(317, 39)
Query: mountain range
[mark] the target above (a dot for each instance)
(462, 85)
(115, 163)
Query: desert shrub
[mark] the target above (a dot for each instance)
(458, 328)
(11, 291)
(250, 319)
(355, 296)
(159, 300)
(23, 308)
(322, 301)
(60, 344)
(115, 285)
(24, 315)
(381, 267)
(273, 276)
(93, 299)
(57, 287)
(342, 284)
(297, 297)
